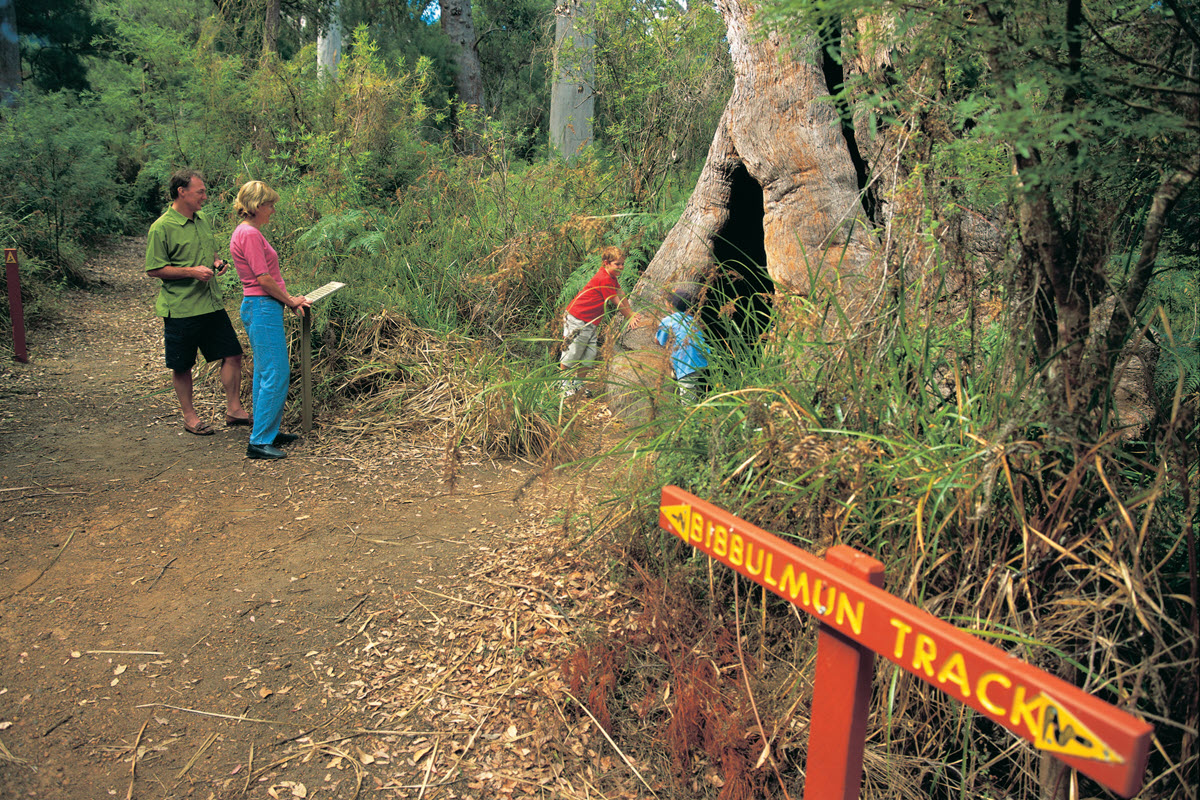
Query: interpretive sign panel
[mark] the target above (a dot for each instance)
(1101, 741)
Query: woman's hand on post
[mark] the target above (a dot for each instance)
(299, 304)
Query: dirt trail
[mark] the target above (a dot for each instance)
(178, 621)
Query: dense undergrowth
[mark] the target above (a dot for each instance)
(1076, 556)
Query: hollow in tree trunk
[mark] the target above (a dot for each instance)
(777, 208)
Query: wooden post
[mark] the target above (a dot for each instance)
(841, 697)
(306, 399)
(15, 308)
(306, 370)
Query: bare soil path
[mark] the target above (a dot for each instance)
(177, 621)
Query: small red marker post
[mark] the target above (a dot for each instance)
(837, 735)
(15, 309)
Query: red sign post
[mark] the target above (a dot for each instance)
(15, 308)
(859, 619)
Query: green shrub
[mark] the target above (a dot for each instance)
(60, 188)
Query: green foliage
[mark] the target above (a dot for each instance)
(514, 41)
(1093, 107)
(663, 76)
(58, 38)
(1178, 367)
(350, 143)
(60, 189)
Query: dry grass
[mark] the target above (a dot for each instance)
(1083, 563)
(404, 382)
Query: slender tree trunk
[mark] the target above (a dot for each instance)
(329, 42)
(271, 28)
(573, 95)
(460, 29)
(10, 53)
(468, 80)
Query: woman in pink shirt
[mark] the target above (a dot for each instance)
(264, 297)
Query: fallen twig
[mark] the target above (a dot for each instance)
(212, 737)
(133, 766)
(7, 756)
(361, 628)
(161, 572)
(435, 687)
(56, 725)
(241, 718)
(428, 769)
(249, 770)
(348, 614)
(556, 601)
(461, 600)
(49, 566)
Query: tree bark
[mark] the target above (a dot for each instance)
(793, 148)
(573, 94)
(329, 42)
(460, 29)
(779, 194)
(271, 28)
(10, 53)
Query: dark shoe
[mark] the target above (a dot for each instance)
(264, 451)
(247, 420)
(284, 438)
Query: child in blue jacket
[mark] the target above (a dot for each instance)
(685, 342)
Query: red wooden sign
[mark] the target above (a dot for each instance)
(1101, 741)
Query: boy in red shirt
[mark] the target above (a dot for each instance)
(582, 326)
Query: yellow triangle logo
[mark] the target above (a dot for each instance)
(1060, 732)
(10, 256)
(679, 517)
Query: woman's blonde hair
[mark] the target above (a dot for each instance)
(611, 255)
(252, 196)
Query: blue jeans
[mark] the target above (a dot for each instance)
(263, 318)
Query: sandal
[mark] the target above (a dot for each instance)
(232, 420)
(200, 429)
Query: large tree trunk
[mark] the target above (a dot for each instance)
(573, 95)
(775, 136)
(10, 52)
(778, 200)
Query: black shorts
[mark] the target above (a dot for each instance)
(212, 333)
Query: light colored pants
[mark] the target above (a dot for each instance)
(580, 340)
(263, 318)
(689, 387)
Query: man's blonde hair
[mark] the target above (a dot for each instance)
(252, 196)
(611, 255)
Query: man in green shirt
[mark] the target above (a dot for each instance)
(181, 251)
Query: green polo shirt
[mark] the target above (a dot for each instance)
(176, 241)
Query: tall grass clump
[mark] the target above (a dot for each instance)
(915, 436)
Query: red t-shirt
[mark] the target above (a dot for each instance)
(588, 305)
